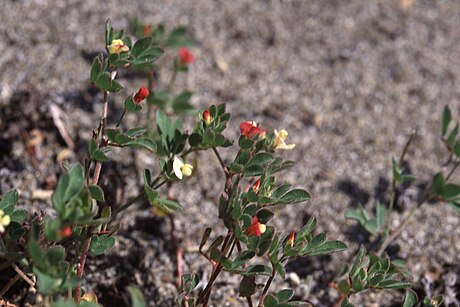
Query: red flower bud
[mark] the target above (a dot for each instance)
(141, 94)
(147, 30)
(256, 228)
(66, 231)
(290, 239)
(185, 56)
(249, 129)
(207, 117)
(256, 186)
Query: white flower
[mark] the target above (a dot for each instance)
(180, 168)
(280, 138)
(4, 221)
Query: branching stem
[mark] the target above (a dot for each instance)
(267, 286)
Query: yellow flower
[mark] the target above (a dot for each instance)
(117, 46)
(4, 221)
(180, 168)
(280, 138)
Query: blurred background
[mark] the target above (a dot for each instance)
(350, 80)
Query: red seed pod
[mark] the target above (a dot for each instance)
(141, 94)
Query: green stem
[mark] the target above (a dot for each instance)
(221, 161)
(228, 244)
(393, 235)
(452, 171)
(393, 181)
(121, 118)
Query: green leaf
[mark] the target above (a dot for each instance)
(217, 242)
(9, 200)
(104, 82)
(242, 157)
(137, 298)
(97, 68)
(266, 240)
(280, 191)
(279, 267)
(181, 103)
(294, 196)
(306, 230)
(247, 286)
(261, 158)
(188, 283)
(35, 251)
(452, 136)
(258, 269)
(195, 139)
(178, 38)
(451, 191)
(253, 170)
(371, 226)
(360, 261)
(381, 212)
(144, 142)
(317, 241)
(100, 77)
(270, 301)
(55, 254)
(205, 237)
(344, 287)
(18, 216)
(446, 118)
(284, 295)
(99, 155)
(245, 143)
(410, 299)
(97, 193)
(144, 53)
(130, 106)
(46, 283)
(360, 215)
(394, 284)
(396, 170)
(100, 244)
(438, 184)
(69, 185)
(108, 32)
(166, 204)
(357, 284)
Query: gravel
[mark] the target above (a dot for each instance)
(350, 81)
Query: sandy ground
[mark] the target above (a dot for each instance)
(350, 80)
